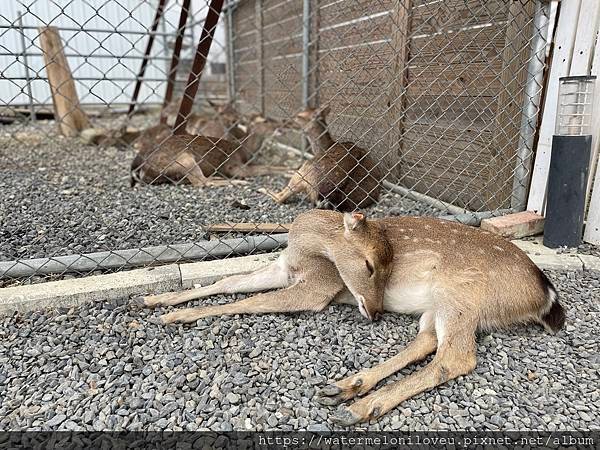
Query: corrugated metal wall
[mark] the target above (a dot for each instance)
(104, 63)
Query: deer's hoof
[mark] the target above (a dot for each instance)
(344, 417)
(330, 389)
(330, 395)
(139, 301)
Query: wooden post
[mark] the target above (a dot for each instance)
(67, 110)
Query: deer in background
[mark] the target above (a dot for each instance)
(456, 278)
(164, 158)
(341, 174)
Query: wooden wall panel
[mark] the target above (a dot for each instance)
(444, 120)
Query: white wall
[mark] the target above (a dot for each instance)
(99, 79)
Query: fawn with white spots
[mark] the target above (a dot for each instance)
(458, 279)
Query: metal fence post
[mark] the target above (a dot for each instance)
(26, 64)
(306, 24)
(230, 52)
(305, 52)
(258, 5)
(531, 106)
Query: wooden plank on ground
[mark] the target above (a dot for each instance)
(67, 110)
(249, 227)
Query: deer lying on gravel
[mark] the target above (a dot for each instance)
(200, 160)
(458, 279)
(341, 174)
(228, 123)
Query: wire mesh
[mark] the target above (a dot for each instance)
(391, 107)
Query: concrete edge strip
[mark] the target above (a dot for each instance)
(174, 277)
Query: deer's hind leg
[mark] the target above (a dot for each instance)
(359, 384)
(312, 293)
(276, 275)
(455, 357)
(301, 181)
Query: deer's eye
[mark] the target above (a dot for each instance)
(370, 268)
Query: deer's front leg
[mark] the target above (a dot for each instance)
(306, 295)
(274, 276)
(359, 384)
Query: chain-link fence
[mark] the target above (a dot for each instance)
(394, 107)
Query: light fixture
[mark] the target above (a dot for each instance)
(569, 163)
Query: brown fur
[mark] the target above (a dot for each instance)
(458, 279)
(341, 174)
(158, 151)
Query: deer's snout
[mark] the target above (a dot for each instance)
(370, 312)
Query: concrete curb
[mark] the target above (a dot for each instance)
(152, 280)
(173, 277)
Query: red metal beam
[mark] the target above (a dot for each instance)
(138, 83)
(206, 38)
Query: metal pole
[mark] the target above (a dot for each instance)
(305, 51)
(230, 52)
(172, 74)
(138, 83)
(305, 60)
(531, 106)
(26, 64)
(120, 259)
(206, 38)
(163, 28)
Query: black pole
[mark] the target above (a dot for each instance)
(183, 17)
(138, 82)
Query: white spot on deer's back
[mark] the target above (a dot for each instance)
(500, 249)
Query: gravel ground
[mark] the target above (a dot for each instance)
(105, 366)
(63, 197)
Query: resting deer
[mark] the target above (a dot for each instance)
(164, 158)
(456, 278)
(229, 124)
(341, 174)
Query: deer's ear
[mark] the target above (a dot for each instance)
(354, 221)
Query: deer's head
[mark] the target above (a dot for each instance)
(364, 259)
(308, 118)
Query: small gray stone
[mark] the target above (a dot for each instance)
(233, 398)
(56, 420)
